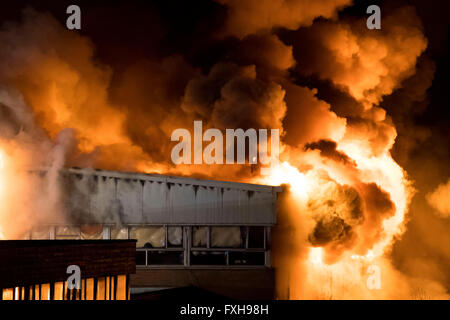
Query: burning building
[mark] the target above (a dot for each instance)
(210, 234)
(363, 140)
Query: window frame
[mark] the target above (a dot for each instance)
(187, 244)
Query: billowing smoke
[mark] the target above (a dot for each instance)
(27, 199)
(439, 199)
(331, 86)
(367, 65)
(254, 16)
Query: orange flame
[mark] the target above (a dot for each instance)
(350, 268)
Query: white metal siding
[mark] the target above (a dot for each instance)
(135, 198)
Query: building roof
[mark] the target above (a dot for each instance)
(174, 179)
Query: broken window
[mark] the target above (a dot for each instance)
(119, 233)
(149, 237)
(67, 233)
(94, 231)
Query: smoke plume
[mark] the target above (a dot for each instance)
(439, 199)
(340, 95)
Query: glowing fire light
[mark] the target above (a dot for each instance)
(284, 173)
(343, 277)
(369, 256)
(315, 255)
(2, 164)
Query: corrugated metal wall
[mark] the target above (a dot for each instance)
(97, 196)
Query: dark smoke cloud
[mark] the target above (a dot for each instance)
(378, 206)
(328, 150)
(308, 118)
(274, 64)
(330, 228)
(150, 93)
(271, 57)
(253, 16)
(233, 96)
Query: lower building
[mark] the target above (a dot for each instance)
(40, 269)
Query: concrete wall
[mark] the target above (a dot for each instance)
(98, 196)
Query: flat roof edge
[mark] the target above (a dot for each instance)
(173, 179)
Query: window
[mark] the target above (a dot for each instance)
(163, 245)
(41, 233)
(199, 236)
(228, 246)
(67, 233)
(175, 237)
(158, 245)
(226, 237)
(119, 233)
(246, 258)
(208, 258)
(149, 237)
(94, 231)
(256, 237)
(141, 257)
(165, 257)
(209, 245)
